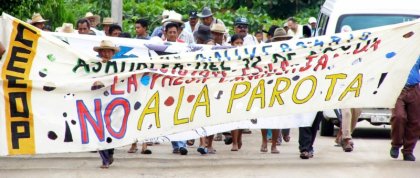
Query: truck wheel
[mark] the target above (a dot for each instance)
(327, 128)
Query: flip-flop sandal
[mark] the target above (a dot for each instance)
(263, 149)
(275, 151)
(233, 149)
(104, 166)
(146, 152)
(286, 138)
(211, 151)
(347, 145)
(132, 150)
(304, 155)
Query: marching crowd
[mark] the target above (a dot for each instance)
(203, 28)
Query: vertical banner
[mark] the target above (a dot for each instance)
(17, 88)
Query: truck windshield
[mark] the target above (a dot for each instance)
(361, 21)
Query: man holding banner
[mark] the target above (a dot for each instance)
(405, 120)
(106, 50)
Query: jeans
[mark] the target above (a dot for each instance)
(106, 156)
(179, 144)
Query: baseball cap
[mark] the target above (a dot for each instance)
(193, 14)
(312, 20)
(241, 20)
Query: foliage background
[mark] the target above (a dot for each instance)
(260, 13)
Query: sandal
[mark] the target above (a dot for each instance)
(286, 138)
(234, 149)
(211, 151)
(264, 148)
(274, 150)
(304, 155)
(347, 145)
(146, 152)
(132, 150)
(104, 166)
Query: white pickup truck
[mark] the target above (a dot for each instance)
(362, 14)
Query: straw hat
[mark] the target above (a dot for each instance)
(108, 21)
(106, 44)
(218, 28)
(280, 33)
(97, 18)
(37, 18)
(66, 28)
(165, 14)
(173, 17)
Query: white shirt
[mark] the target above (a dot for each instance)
(188, 27)
(187, 37)
(298, 34)
(97, 32)
(250, 40)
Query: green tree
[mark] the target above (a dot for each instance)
(260, 13)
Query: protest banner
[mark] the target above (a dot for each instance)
(59, 97)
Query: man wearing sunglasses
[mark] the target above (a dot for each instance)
(241, 28)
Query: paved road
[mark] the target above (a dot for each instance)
(370, 159)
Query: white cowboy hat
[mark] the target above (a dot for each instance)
(173, 17)
(218, 28)
(66, 28)
(165, 14)
(37, 18)
(97, 18)
(106, 44)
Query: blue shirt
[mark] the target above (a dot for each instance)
(414, 77)
(158, 31)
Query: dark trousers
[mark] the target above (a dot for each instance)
(405, 120)
(285, 132)
(106, 156)
(307, 135)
